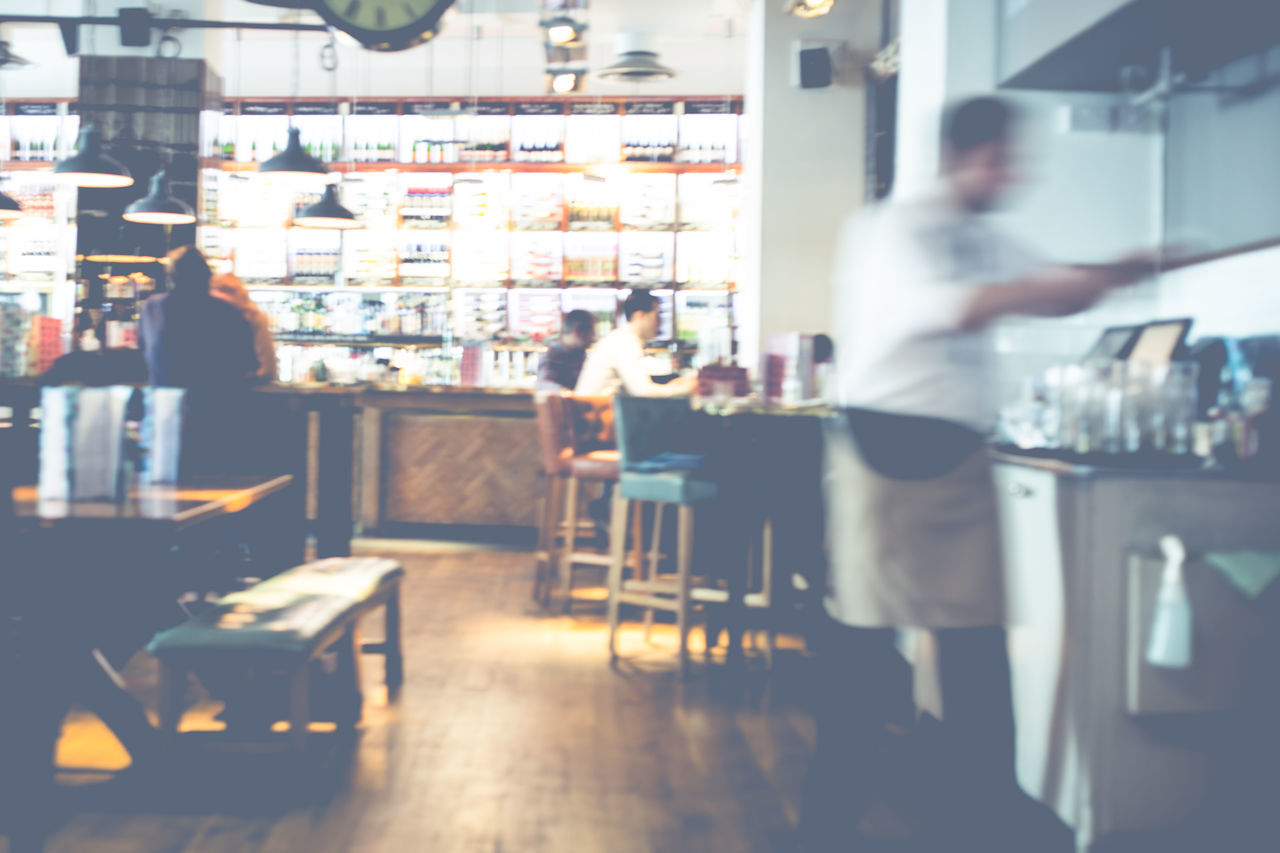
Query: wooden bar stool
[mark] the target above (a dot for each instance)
(641, 424)
(553, 440)
(565, 423)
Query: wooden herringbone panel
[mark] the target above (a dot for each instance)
(465, 469)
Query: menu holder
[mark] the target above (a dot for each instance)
(82, 443)
(161, 435)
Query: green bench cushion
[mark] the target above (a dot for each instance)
(353, 577)
(283, 619)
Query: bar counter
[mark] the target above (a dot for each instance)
(379, 457)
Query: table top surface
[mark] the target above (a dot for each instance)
(756, 406)
(179, 505)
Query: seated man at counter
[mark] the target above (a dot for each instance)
(617, 360)
(562, 364)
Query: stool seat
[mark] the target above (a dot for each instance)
(667, 487)
(596, 465)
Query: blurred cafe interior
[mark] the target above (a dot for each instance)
(602, 425)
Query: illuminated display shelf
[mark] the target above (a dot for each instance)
(502, 254)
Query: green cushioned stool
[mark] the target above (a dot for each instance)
(281, 625)
(647, 428)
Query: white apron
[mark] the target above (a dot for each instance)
(911, 553)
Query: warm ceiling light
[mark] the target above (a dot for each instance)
(809, 8)
(158, 206)
(564, 32)
(328, 212)
(9, 208)
(120, 258)
(293, 161)
(90, 166)
(564, 82)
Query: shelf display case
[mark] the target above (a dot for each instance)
(492, 218)
(37, 252)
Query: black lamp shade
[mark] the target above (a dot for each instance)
(90, 166)
(328, 212)
(9, 208)
(293, 161)
(159, 207)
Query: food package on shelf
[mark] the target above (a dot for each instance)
(13, 340)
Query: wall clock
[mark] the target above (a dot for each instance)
(377, 24)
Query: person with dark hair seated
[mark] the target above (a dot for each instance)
(191, 339)
(562, 363)
(616, 362)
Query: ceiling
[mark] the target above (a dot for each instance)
(485, 48)
(494, 47)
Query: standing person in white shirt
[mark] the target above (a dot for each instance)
(914, 536)
(617, 360)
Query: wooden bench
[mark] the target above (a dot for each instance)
(280, 626)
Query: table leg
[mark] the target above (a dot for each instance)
(334, 517)
(103, 692)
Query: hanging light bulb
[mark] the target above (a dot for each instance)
(293, 161)
(809, 8)
(563, 31)
(563, 81)
(90, 166)
(159, 206)
(328, 212)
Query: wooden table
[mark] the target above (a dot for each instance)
(86, 583)
(151, 510)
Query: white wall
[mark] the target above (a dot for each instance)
(922, 93)
(803, 172)
(1089, 196)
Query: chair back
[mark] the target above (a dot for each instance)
(553, 434)
(647, 426)
(590, 423)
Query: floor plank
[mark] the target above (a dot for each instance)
(512, 733)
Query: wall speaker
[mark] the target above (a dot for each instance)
(813, 67)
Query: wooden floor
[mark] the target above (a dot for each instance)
(512, 734)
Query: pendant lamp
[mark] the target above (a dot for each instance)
(90, 166)
(159, 206)
(293, 161)
(328, 212)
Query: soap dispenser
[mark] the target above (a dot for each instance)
(1171, 632)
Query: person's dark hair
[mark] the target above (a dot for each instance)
(977, 121)
(639, 300)
(824, 349)
(188, 270)
(579, 322)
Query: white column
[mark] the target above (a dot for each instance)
(803, 171)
